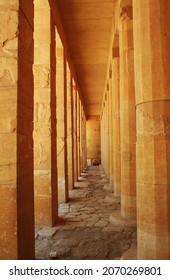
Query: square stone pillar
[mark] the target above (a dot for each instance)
(70, 160)
(61, 91)
(45, 173)
(102, 135)
(152, 84)
(83, 152)
(16, 127)
(105, 132)
(74, 97)
(127, 115)
(84, 146)
(116, 126)
(110, 121)
(78, 135)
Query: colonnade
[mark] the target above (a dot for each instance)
(42, 120)
(141, 122)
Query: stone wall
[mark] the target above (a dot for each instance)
(93, 137)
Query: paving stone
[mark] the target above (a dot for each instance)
(112, 229)
(84, 231)
(101, 224)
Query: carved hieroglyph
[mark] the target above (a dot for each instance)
(43, 126)
(8, 71)
(40, 156)
(148, 126)
(41, 76)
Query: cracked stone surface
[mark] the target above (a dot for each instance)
(83, 230)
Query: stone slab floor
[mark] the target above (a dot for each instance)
(83, 231)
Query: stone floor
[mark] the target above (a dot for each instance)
(84, 231)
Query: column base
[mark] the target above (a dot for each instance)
(112, 199)
(81, 178)
(84, 173)
(105, 181)
(130, 254)
(82, 184)
(108, 187)
(117, 219)
(100, 167)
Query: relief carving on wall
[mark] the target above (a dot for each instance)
(39, 155)
(148, 126)
(41, 76)
(8, 33)
(43, 124)
(8, 73)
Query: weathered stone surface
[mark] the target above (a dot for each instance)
(16, 117)
(153, 114)
(81, 234)
(46, 232)
(45, 168)
(117, 219)
(127, 115)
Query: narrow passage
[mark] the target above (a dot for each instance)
(84, 231)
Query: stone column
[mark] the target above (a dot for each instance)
(84, 148)
(69, 131)
(152, 76)
(106, 156)
(81, 147)
(109, 186)
(107, 134)
(116, 126)
(61, 125)
(127, 115)
(127, 122)
(105, 145)
(78, 134)
(74, 97)
(45, 173)
(102, 128)
(16, 127)
(110, 121)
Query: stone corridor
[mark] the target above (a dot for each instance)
(84, 230)
(81, 81)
